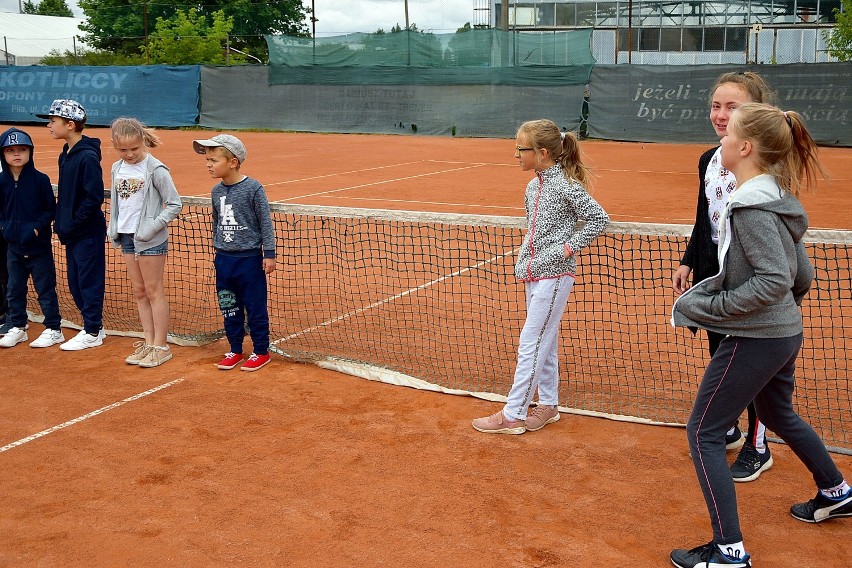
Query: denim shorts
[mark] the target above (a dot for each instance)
(127, 246)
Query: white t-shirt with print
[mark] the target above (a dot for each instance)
(719, 184)
(129, 180)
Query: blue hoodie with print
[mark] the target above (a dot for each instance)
(27, 205)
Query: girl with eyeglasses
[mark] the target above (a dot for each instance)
(555, 200)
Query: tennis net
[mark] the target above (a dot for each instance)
(430, 300)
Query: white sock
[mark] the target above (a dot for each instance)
(731, 431)
(735, 550)
(836, 492)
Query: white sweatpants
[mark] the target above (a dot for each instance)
(538, 349)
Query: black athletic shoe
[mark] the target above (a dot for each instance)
(707, 556)
(822, 508)
(735, 440)
(750, 464)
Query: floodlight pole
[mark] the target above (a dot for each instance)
(407, 33)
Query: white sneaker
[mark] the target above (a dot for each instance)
(6, 327)
(13, 337)
(83, 340)
(48, 337)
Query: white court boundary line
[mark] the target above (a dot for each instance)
(390, 299)
(79, 419)
(382, 182)
(323, 176)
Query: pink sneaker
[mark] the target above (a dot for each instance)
(497, 423)
(540, 416)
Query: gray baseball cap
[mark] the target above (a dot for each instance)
(227, 141)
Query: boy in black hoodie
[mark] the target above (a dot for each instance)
(27, 208)
(80, 222)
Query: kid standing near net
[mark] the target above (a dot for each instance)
(144, 201)
(753, 302)
(27, 209)
(716, 185)
(555, 199)
(80, 222)
(244, 241)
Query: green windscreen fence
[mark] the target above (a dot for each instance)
(409, 57)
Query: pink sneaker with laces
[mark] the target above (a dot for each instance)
(497, 423)
(540, 416)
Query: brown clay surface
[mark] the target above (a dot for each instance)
(299, 466)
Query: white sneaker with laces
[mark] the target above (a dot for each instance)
(13, 337)
(83, 340)
(48, 338)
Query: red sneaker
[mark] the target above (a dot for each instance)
(230, 361)
(255, 362)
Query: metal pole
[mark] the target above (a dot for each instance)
(145, 23)
(314, 29)
(630, 32)
(407, 33)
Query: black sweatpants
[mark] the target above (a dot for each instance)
(745, 369)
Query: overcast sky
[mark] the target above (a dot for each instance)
(345, 16)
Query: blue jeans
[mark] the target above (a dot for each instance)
(129, 247)
(43, 271)
(86, 260)
(241, 291)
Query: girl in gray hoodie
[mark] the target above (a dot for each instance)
(764, 273)
(143, 202)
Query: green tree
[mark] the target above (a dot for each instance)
(48, 8)
(122, 25)
(187, 39)
(90, 58)
(839, 42)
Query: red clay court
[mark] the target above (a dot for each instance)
(111, 465)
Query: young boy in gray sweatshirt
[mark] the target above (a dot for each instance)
(244, 243)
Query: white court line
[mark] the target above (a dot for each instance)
(378, 183)
(344, 173)
(392, 298)
(52, 429)
(476, 205)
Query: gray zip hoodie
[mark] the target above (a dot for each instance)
(161, 206)
(764, 270)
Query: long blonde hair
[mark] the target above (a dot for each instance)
(127, 127)
(561, 146)
(783, 146)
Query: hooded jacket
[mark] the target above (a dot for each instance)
(27, 206)
(160, 206)
(554, 206)
(764, 270)
(79, 213)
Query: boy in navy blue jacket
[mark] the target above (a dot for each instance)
(27, 209)
(80, 222)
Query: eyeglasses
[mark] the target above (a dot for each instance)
(519, 149)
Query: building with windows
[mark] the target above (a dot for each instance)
(679, 32)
